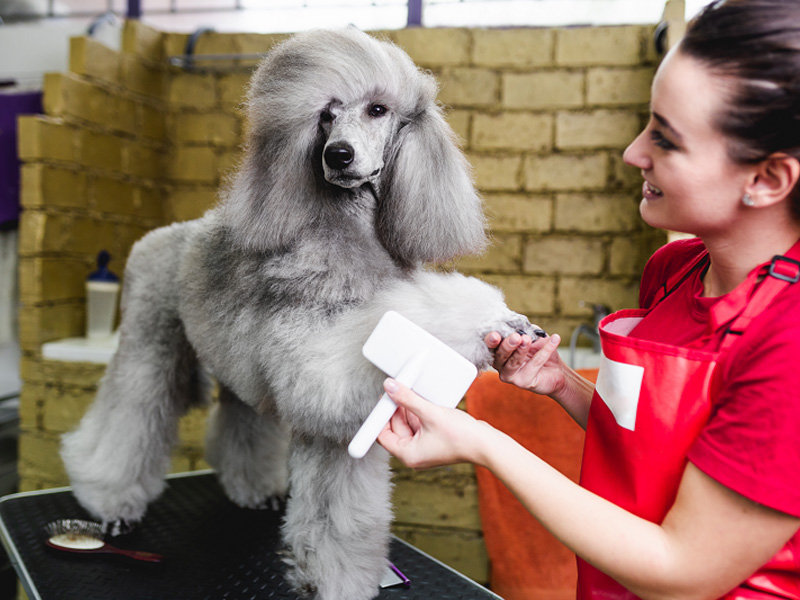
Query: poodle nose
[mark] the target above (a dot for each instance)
(338, 156)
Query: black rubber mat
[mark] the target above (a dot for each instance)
(213, 550)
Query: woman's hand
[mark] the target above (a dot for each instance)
(529, 364)
(423, 435)
(535, 365)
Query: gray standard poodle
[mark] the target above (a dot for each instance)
(351, 180)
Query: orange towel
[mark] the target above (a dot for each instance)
(527, 563)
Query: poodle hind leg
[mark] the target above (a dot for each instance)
(249, 451)
(337, 520)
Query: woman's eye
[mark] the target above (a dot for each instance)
(662, 142)
(377, 110)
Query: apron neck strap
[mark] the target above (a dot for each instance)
(738, 308)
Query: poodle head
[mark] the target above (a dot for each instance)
(337, 114)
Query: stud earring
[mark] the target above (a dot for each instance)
(747, 200)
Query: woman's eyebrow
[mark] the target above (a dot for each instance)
(664, 123)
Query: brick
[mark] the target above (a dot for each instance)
(596, 129)
(496, 173)
(519, 48)
(64, 406)
(623, 176)
(69, 373)
(619, 86)
(120, 115)
(188, 90)
(38, 456)
(418, 497)
(174, 44)
(502, 256)
(65, 233)
(566, 172)
(90, 58)
(233, 90)
(142, 78)
(152, 121)
(216, 129)
(188, 204)
(578, 46)
(30, 405)
(100, 150)
(194, 164)
(212, 42)
(469, 87)
(150, 203)
(543, 90)
(615, 293)
(46, 185)
(142, 160)
(51, 279)
(596, 213)
(519, 212)
(143, 40)
(526, 295)
(459, 121)
(564, 255)
(66, 95)
(114, 196)
(513, 131)
(180, 462)
(435, 47)
(40, 324)
(228, 162)
(40, 138)
(192, 427)
(258, 43)
(625, 256)
(463, 551)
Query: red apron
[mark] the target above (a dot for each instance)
(649, 405)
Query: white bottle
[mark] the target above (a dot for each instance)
(102, 292)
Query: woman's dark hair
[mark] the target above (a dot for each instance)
(755, 44)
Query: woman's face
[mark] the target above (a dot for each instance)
(691, 185)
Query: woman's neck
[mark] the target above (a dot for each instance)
(732, 259)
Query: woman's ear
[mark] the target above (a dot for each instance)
(774, 179)
(429, 210)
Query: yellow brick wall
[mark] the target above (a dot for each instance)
(127, 144)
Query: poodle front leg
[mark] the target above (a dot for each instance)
(249, 451)
(337, 520)
(117, 457)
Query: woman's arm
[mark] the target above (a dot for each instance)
(534, 365)
(711, 540)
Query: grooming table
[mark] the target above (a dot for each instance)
(213, 550)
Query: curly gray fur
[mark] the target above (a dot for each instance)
(351, 181)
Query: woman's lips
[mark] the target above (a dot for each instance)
(650, 192)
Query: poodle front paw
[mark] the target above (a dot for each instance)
(516, 323)
(118, 527)
(317, 577)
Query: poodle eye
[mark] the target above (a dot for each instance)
(326, 116)
(377, 110)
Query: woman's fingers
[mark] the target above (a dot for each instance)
(536, 362)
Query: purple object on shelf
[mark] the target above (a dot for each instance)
(12, 104)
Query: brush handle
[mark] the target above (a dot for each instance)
(134, 554)
(384, 409)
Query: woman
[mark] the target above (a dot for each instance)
(691, 474)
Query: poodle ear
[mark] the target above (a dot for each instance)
(262, 206)
(429, 210)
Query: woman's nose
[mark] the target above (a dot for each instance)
(636, 154)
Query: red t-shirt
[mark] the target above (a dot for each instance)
(751, 443)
